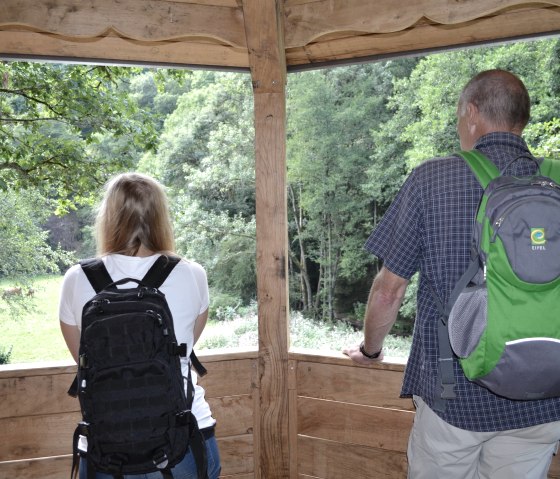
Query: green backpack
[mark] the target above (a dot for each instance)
(502, 319)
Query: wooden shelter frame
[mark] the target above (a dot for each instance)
(267, 38)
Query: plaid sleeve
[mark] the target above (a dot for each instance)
(397, 238)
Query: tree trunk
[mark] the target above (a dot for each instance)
(305, 283)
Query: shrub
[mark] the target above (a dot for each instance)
(223, 306)
(5, 355)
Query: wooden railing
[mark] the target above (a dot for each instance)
(343, 419)
(347, 418)
(38, 418)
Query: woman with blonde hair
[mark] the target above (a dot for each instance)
(133, 229)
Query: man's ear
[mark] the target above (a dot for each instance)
(472, 112)
(472, 117)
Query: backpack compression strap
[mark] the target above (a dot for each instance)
(154, 278)
(485, 171)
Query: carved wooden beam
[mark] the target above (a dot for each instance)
(141, 20)
(307, 20)
(424, 36)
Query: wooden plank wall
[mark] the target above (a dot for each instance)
(37, 417)
(349, 418)
(342, 418)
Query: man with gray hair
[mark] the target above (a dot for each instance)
(428, 229)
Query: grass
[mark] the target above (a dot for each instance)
(34, 335)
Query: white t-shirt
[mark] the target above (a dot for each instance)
(186, 292)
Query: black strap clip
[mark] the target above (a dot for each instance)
(83, 428)
(178, 349)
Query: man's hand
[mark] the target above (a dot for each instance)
(385, 298)
(354, 353)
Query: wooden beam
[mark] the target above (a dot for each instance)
(308, 21)
(53, 467)
(148, 20)
(265, 42)
(351, 384)
(264, 31)
(425, 36)
(194, 52)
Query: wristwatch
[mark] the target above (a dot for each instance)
(368, 355)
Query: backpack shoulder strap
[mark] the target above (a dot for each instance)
(96, 273)
(160, 270)
(484, 170)
(551, 169)
(154, 278)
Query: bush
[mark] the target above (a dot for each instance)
(223, 306)
(5, 355)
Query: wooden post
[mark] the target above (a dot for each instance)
(264, 32)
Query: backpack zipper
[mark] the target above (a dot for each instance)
(99, 303)
(498, 223)
(546, 184)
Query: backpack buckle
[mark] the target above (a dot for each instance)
(178, 349)
(116, 462)
(183, 418)
(161, 461)
(83, 361)
(447, 391)
(83, 428)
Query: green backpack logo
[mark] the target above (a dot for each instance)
(503, 316)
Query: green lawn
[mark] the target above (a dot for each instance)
(34, 335)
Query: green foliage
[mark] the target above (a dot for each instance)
(354, 133)
(206, 156)
(545, 138)
(241, 331)
(224, 245)
(25, 249)
(359, 312)
(212, 121)
(5, 354)
(425, 103)
(51, 119)
(223, 306)
(40, 328)
(328, 148)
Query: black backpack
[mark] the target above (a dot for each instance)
(136, 416)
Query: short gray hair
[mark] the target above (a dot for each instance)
(500, 96)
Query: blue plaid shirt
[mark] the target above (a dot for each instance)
(428, 228)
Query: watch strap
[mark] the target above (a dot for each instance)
(368, 355)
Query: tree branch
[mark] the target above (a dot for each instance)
(31, 98)
(30, 120)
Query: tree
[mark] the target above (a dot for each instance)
(206, 157)
(51, 118)
(25, 248)
(425, 103)
(330, 116)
